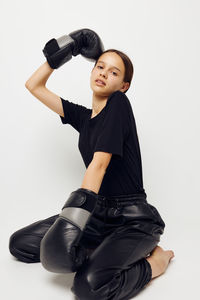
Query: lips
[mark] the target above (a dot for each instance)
(100, 81)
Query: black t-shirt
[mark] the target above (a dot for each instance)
(112, 130)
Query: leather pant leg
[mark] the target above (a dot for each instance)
(119, 238)
(24, 243)
(117, 268)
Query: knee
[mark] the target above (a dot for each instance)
(24, 244)
(98, 284)
(23, 247)
(89, 286)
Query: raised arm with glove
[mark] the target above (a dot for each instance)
(84, 41)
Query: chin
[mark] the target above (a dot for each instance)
(97, 90)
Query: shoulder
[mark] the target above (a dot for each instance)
(118, 97)
(74, 104)
(119, 101)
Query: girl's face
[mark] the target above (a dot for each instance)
(110, 69)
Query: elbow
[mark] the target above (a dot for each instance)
(27, 85)
(30, 85)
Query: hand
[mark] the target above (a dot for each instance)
(87, 43)
(60, 250)
(83, 41)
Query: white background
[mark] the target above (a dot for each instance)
(40, 161)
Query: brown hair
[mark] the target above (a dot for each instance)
(129, 69)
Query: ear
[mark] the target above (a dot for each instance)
(125, 86)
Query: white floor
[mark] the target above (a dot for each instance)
(21, 281)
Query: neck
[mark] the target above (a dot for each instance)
(98, 103)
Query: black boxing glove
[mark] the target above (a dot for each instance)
(84, 41)
(60, 250)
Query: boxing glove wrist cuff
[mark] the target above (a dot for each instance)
(58, 51)
(79, 207)
(64, 40)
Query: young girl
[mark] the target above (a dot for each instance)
(121, 237)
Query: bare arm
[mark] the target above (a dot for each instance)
(96, 170)
(36, 84)
(93, 177)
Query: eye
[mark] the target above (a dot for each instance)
(112, 72)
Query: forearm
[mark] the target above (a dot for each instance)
(40, 76)
(93, 177)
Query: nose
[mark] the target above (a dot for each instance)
(103, 73)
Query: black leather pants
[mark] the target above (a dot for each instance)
(120, 234)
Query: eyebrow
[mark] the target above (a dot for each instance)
(112, 66)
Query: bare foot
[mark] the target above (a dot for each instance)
(159, 260)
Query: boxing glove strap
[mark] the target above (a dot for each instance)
(79, 206)
(84, 198)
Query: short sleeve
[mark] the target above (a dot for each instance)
(114, 126)
(74, 114)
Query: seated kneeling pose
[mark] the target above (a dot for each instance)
(107, 232)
